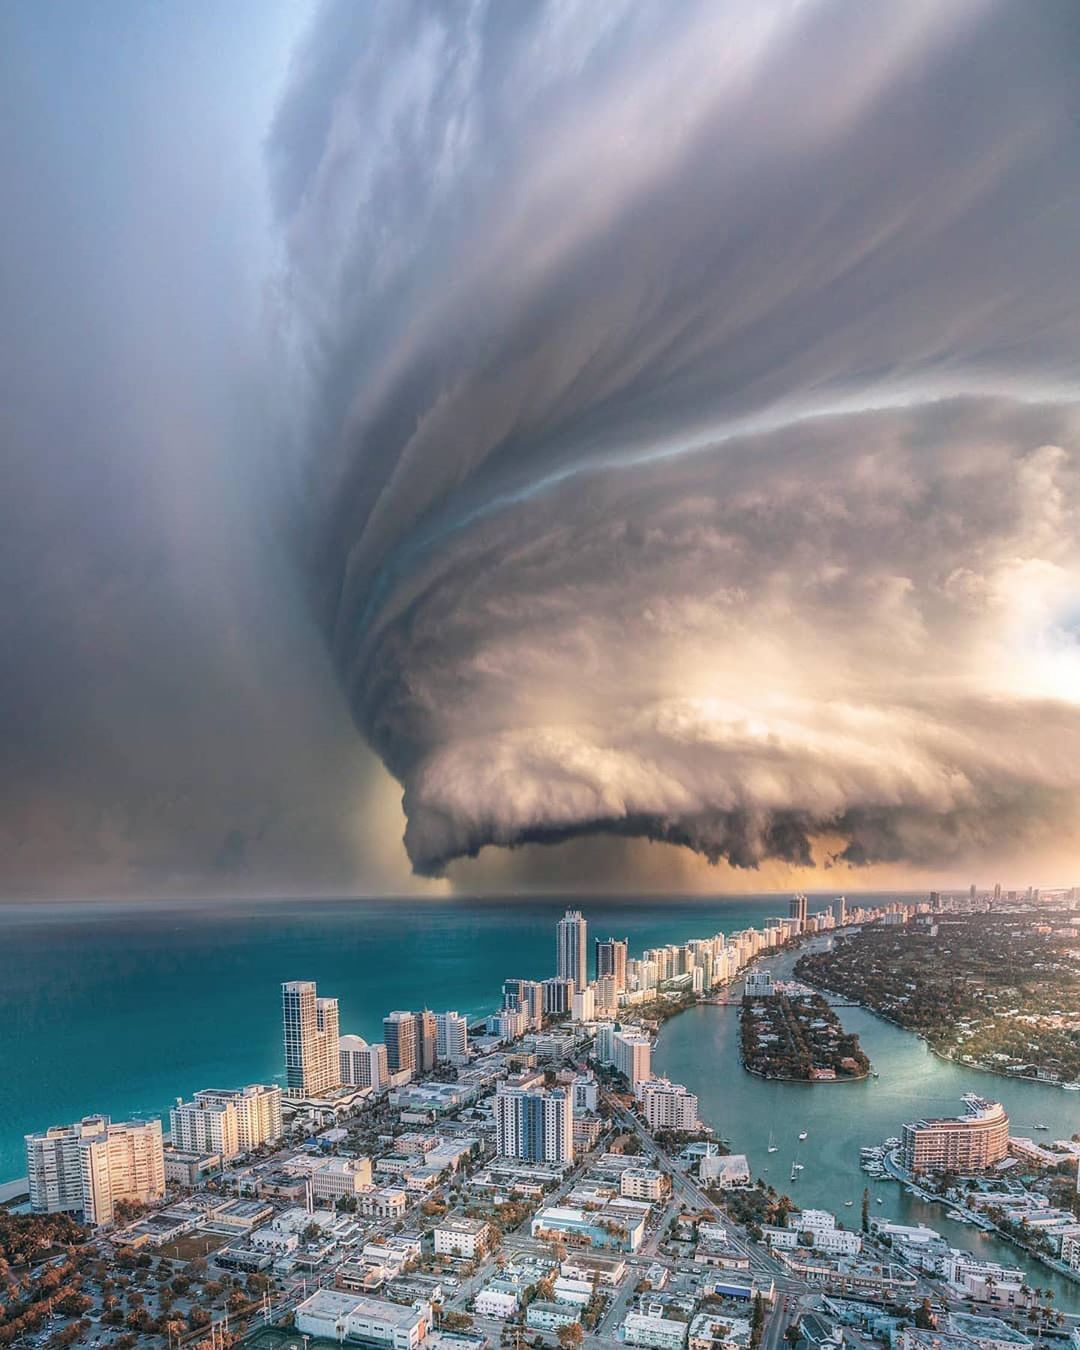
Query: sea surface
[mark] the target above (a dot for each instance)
(121, 1008)
(701, 1049)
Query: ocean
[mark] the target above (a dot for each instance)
(121, 1008)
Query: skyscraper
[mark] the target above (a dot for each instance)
(840, 911)
(402, 1043)
(227, 1121)
(311, 1040)
(535, 1124)
(558, 993)
(571, 948)
(797, 910)
(611, 960)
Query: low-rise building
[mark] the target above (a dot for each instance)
(341, 1179)
(464, 1237)
(725, 1170)
(605, 1270)
(612, 1227)
(989, 1333)
(660, 1333)
(545, 1316)
(339, 1316)
(498, 1298)
(715, 1331)
(644, 1183)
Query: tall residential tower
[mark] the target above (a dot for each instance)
(310, 1027)
(571, 953)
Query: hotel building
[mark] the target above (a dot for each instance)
(972, 1142)
(668, 1106)
(611, 960)
(310, 1023)
(89, 1167)
(633, 1056)
(451, 1038)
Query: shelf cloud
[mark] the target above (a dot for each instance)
(690, 434)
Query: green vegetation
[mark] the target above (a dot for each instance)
(800, 1037)
(998, 990)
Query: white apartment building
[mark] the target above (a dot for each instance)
(451, 1038)
(583, 1007)
(571, 949)
(468, 1238)
(604, 1044)
(586, 1093)
(668, 1106)
(363, 1065)
(88, 1168)
(633, 1056)
(311, 1034)
(660, 1333)
(535, 1124)
(227, 1122)
(341, 1179)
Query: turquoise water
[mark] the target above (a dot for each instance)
(121, 1008)
(700, 1048)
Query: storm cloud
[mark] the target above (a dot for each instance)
(690, 436)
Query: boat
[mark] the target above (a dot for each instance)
(799, 1167)
(874, 1073)
(880, 1201)
(1040, 1126)
(794, 1172)
(772, 1147)
(802, 1134)
(848, 1203)
(1070, 1087)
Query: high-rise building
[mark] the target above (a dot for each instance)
(583, 1007)
(797, 911)
(402, 1042)
(311, 1040)
(840, 910)
(973, 1142)
(90, 1167)
(535, 1124)
(363, 1065)
(571, 950)
(427, 1039)
(668, 1106)
(227, 1121)
(526, 996)
(558, 993)
(633, 1056)
(452, 1038)
(611, 960)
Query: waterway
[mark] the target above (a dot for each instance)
(701, 1049)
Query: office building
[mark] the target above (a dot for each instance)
(668, 1106)
(535, 1124)
(611, 960)
(341, 1179)
(363, 1065)
(90, 1167)
(840, 911)
(451, 1038)
(227, 1121)
(633, 1056)
(312, 1066)
(797, 911)
(558, 993)
(973, 1142)
(571, 949)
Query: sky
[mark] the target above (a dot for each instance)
(483, 447)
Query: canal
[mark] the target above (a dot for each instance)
(701, 1049)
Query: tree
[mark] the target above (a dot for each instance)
(570, 1335)
(924, 1316)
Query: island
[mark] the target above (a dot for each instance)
(796, 1036)
(999, 991)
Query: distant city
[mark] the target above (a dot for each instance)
(550, 1107)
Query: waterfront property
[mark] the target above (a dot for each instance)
(972, 1142)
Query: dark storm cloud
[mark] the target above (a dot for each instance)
(690, 444)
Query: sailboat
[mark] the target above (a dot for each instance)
(802, 1134)
(794, 1171)
(772, 1147)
